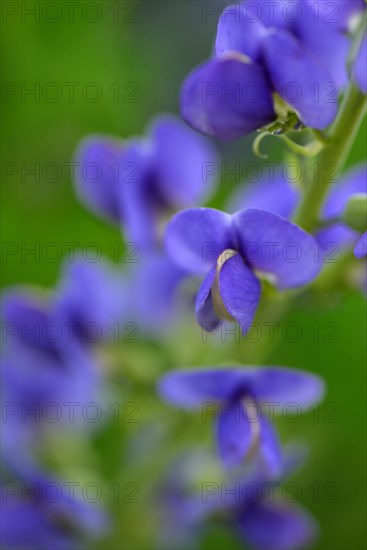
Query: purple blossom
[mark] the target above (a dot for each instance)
(38, 512)
(262, 48)
(48, 356)
(137, 183)
(275, 193)
(37, 361)
(39, 369)
(246, 503)
(242, 426)
(231, 251)
(338, 233)
(157, 297)
(89, 299)
(279, 195)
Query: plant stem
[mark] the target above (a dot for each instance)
(341, 138)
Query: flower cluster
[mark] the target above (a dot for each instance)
(138, 182)
(248, 503)
(50, 359)
(278, 67)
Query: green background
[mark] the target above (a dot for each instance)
(149, 47)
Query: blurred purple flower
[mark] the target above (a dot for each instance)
(39, 513)
(231, 251)
(262, 48)
(242, 426)
(137, 183)
(248, 504)
(276, 194)
(338, 233)
(280, 196)
(39, 369)
(90, 298)
(157, 295)
(37, 361)
(48, 355)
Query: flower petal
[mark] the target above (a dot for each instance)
(97, 175)
(234, 434)
(269, 448)
(276, 194)
(27, 316)
(283, 386)
(239, 31)
(197, 236)
(278, 386)
(155, 293)
(361, 247)
(186, 162)
(353, 182)
(205, 314)
(345, 12)
(137, 201)
(338, 236)
(227, 98)
(240, 291)
(275, 246)
(270, 526)
(89, 294)
(323, 36)
(360, 71)
(192, 388)
(301, 81)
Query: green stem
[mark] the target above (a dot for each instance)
(341, 138)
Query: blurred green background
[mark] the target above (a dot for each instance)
(144, 50)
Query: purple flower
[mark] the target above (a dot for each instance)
(338, 233)
(360, 249)
(36, 356)
(242, 426)
(262, 48)
(274, 193)
(39, 369)
(248, 504)
(278, 195)
(137, 183)
(38, 512)
(48, 356)
(157, 297)
(90, 298)
(274, 526)
(231, 251)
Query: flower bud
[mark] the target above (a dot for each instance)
(355, 213)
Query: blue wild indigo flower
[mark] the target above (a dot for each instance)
(157, 295)
(231, 251)
(39, 512)
(49, 353)
(274, 192)
(280, 195)
(39, 368)
(264, 48)
(241, 425)
(139, 182)
(91, 296)
(247, 503)
(354, 182)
